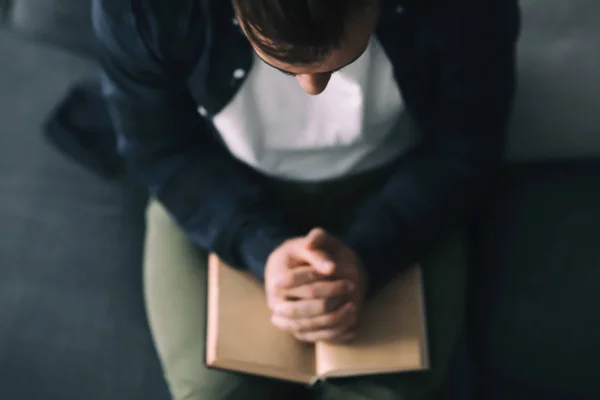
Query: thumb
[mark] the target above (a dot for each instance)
(316, 239)
(316, 243)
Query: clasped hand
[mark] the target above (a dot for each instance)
(315, 288)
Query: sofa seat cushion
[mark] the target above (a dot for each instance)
(538, 286)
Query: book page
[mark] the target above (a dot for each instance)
(391, 334)
(240, 335)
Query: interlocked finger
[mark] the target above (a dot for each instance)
(340, 319)
(295, 277)
(320, 289)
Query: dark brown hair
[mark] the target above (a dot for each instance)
(297, 31)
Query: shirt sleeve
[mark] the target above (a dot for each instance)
(167, 144)
(435, 187)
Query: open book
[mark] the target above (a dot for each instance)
(391, 333)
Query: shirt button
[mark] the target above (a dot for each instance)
(202, 111)
(399, 9)
(239, 73)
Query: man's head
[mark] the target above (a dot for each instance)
(309, 39)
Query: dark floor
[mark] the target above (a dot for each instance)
(72, 324)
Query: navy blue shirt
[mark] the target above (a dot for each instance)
(454, 61)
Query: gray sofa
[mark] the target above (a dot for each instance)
(72, 323)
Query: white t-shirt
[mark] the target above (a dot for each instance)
(358, 123)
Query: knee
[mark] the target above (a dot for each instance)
(191, 391)
(421, 386)
(221, 385)
(156, 211)
(224, 394)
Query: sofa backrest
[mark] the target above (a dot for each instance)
(65, 23)
(557, 112)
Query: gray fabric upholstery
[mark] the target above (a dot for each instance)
(72, 322)
(557, 114)
(4, 6)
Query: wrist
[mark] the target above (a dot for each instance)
(256, 243)
(373, 263)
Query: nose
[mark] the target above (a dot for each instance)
(313, 83)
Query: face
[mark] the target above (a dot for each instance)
(313, 78)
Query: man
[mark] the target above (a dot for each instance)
(322, 145)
